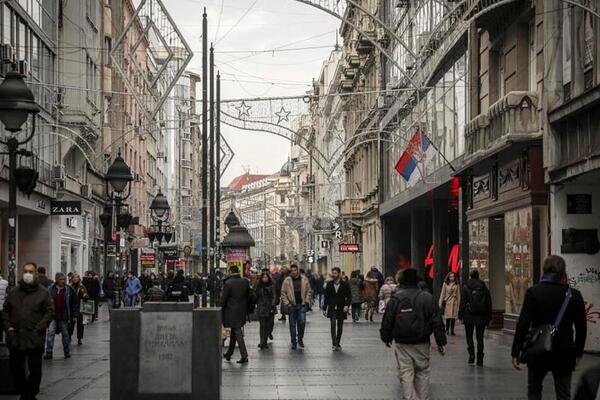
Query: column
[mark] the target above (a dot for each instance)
(440, 243)
(418, 241)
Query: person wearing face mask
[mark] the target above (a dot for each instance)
(26, 314)
(66, 310)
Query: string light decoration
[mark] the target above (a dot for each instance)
(243, 110)
(160, 33)
(283, 115)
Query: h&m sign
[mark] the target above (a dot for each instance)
(65, 208)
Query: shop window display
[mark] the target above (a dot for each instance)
(518, 257)
(479, 248)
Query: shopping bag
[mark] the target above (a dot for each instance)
(381, 307)
(88, 307)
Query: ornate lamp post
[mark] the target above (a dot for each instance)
(159, 212)
(119, 177)
(16, 104)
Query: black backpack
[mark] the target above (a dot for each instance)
(177, 291)
(477, 301)
(409, 326)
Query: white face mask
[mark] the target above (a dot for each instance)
(28, 278)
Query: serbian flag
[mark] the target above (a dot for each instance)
(419, 151)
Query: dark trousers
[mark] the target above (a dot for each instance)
(22, 361)
(79, 327)
(237, 335)
(297, 323)
(535, 380)
(450, 324)
(479, 330)
(266, 328)
(337, 327)
(356, 311)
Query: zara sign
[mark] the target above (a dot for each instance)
(65, 208)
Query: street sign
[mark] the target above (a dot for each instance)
(349, 248)
(338, 234)
(324, 244)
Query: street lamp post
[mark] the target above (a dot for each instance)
(119, 177)
(16, 104)
(159, 212)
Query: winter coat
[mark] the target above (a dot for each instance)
(425, 308)
(44, 281)
(108, 287)
(355, 284)
(71, 306)
(541, 306)
(3, 288)
(155, 293)
(386, 292)
(92, 286)
(27, 309)
(451, 297)
(133, 286)
(234, 300)
(464, 312)
(287, 291)
(80, 291)
(588, 386)
(265, 300)
(370, 289)
(177, 289)
(335, 302)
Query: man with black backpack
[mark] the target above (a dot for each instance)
(177, 289)
(410, 317)
(476, 313)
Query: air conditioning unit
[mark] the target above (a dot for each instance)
(59, 173)
(86, 191)
(23, 67)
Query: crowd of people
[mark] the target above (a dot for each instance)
(550, 333)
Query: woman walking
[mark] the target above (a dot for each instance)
(450, 301)
(370, 292)
(81, 295)
(387, 290)
(356, 292)
(266, 306)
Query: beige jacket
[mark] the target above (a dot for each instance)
(287, 291)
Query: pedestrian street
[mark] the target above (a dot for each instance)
(364, 369)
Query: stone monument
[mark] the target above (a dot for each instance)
(165, 351)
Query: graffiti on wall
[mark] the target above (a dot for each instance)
(587, 276)
(592, 315)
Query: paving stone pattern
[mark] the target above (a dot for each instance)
(364, 369)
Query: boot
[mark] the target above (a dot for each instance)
(480, 359)
(471, 358)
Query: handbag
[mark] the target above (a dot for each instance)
(284, 308)
(540, 339)
(87, 307)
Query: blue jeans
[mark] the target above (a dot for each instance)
(62, 328)
(130, 300)
(297, 322)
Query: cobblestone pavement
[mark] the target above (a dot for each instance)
(364, 369)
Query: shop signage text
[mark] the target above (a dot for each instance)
(349, 248)
(65, 208)
(453, 260)
(579, 204)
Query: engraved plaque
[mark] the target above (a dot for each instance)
(165, 353)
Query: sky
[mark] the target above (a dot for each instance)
(254, 25)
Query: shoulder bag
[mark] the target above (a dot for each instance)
(539, 339)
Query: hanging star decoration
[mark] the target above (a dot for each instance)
(243, 110)
(282, 115)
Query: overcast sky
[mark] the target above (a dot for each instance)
(250, 25)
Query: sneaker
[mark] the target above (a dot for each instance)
(79, 343)
(270, 336)
(339, 348)
(294, 347)
(334, 348)
(48, 356)
(67, 355)
(301, 344)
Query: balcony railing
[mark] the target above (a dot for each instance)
(350, 207)
(513, 117)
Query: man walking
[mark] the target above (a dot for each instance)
(234, 300)
(338, 298)
(26, 313)
(66, 310)
(410, 318)
(295, 296)
(133, 288)
(543, 304)
(476, 313)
